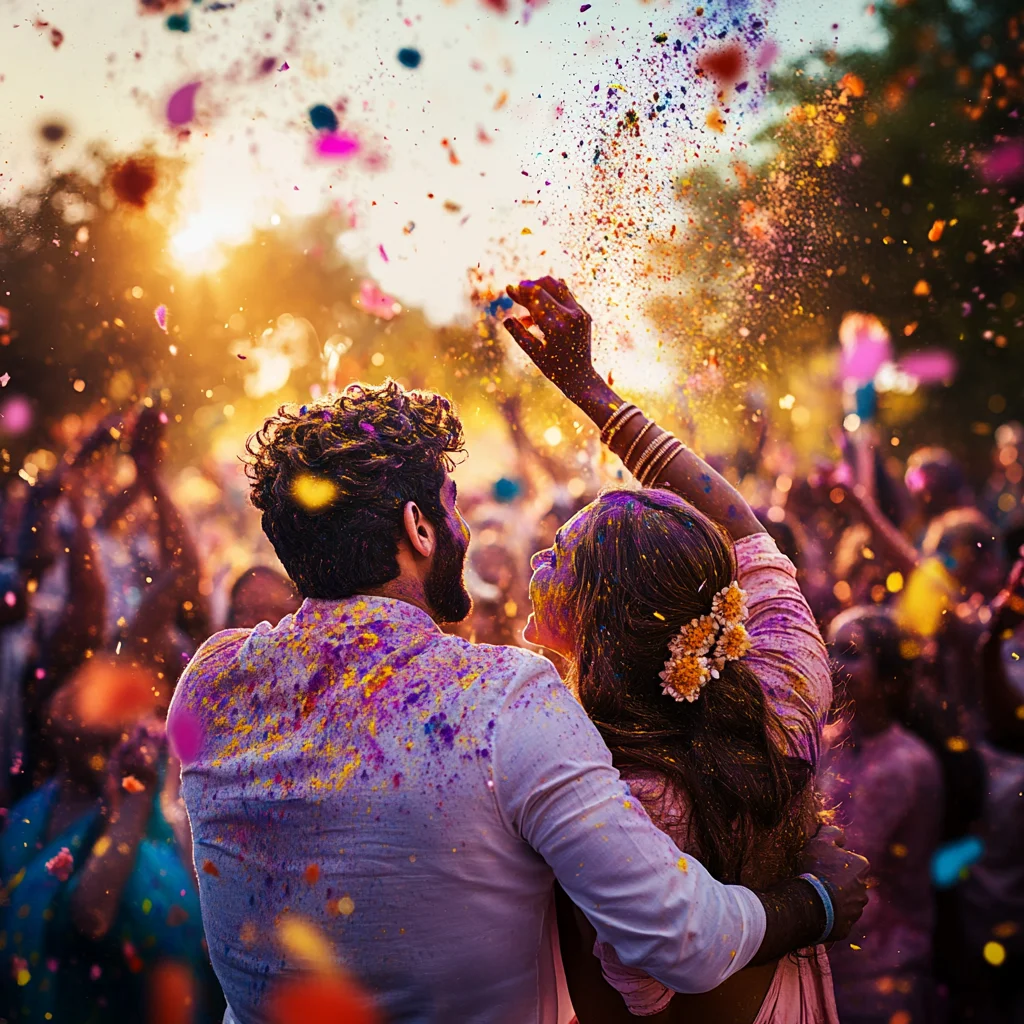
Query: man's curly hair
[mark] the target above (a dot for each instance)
(331, 480)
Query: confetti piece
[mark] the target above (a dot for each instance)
(952, 859)
(936, 231)
(181, 107)
(452, 157)
(925, 598)
(312, 492)
(284, 67)
(994, 953)
(584, 8)
(61, 865)
(209, 868)
(130, 784)
(375, 302)
(383, 253)
(304, 942)
(853, 84)
(5, 380)
(323, 118)
(337, 145)
(160, 314)
(312, 874)
(409, 57)
(184, 735)
(325, 997)
(922, 288)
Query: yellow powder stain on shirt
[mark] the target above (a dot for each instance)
(682, 864)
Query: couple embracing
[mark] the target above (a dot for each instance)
(471, 833)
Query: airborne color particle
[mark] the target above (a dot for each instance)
(323, 118)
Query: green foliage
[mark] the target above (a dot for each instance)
(873, 150)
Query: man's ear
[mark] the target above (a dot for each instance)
(418, 531)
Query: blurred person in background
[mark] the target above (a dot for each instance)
(261, 594)
(991, 975)
(885, 785)
(100, 910)
(936, 483)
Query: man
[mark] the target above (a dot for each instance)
(410, 794)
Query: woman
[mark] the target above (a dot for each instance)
(886, 785)
(99, 914)
(693, 650)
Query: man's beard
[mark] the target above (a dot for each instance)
(444, 589)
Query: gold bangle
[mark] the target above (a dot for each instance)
(636, 441)
(614, 423)
(643, 463)
(661, 462)
(618, 426)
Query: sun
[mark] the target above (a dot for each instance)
(198, 246)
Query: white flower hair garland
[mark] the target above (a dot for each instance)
(700, 649)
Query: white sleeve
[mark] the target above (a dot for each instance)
(658, 908)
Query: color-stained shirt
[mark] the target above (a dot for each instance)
(414, 797)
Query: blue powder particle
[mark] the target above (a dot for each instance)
(501, 302)
(178, 23)
(506, 490)
(408, 57)
(952, 860)
(323, 118)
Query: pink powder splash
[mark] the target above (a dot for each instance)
(160, 314)
(336, 145)
(16, 414)
(61, 865)
(184, 735)
(377, 303)
(930, 366)
(181, 107)
(866, 346)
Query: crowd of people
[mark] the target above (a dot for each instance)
(911, 737)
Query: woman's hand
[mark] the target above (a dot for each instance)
(564, 356)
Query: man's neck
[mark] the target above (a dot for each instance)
(402, 589)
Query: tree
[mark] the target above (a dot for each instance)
(894, 188)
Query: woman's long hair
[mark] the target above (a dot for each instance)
(646, 563)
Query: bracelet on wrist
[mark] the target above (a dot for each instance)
(636, 441)
(825, 895)
(648, 453)
(660, 461)
(622, 415)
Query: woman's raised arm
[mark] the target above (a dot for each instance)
(651, 454)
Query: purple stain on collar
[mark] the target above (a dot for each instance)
(368, 427)
(327, 416)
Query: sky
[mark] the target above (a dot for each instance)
(459, 161)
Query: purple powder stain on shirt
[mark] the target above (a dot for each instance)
(368, 427)
(181, 107)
